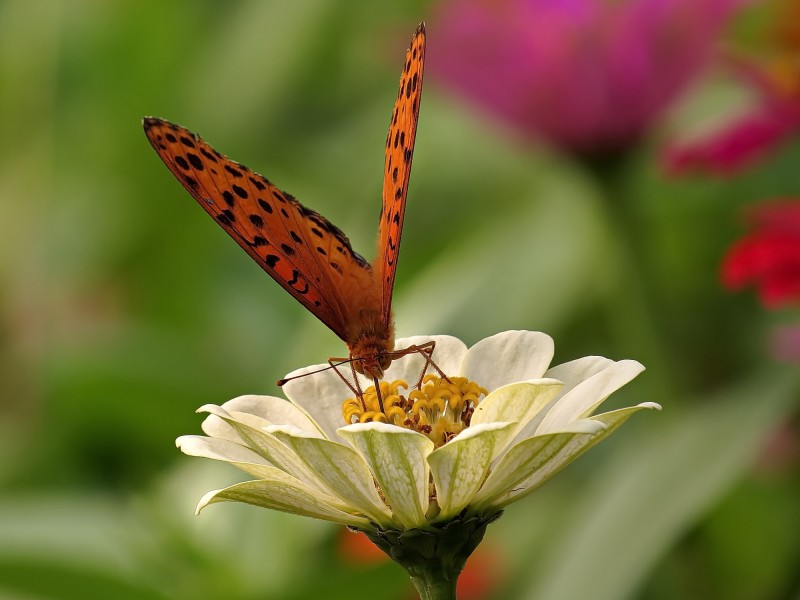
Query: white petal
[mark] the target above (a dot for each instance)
(398, 460)
(447, 355)
(517, 402)
(459, 467)
(276, 411)
(223, 450)
(206, 447)
(585, 397)
(283, 492)
(267, 446)
(218, 428)
(573, 372)
(570, 374)
(614, 418)
(340, 469)
(321, 395)
(536, 456)
(570, 451)
(508, 357)
(255, 407)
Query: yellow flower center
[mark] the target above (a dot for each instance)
(440, 409)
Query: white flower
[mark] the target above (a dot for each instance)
(307, 460)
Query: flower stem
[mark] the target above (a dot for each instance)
(434, 584)
(631, 310)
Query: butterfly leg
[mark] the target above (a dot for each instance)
(355, 387)
(426, 350)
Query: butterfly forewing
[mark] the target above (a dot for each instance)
(397, 168)
(306, 254)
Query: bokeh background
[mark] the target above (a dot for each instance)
(572, 175)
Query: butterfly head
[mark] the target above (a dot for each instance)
(371, 356)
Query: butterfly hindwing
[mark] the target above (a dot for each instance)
(397, 167)
(305, 253)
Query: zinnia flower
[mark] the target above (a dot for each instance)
(425, 468)
(769, 256)
(773, 119)
(588, 75)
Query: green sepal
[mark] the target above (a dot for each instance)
(435, 556)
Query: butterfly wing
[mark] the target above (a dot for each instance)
(397, 168)
(300, 249)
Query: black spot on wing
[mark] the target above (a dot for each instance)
(208, 154)
(232, 171)
(195, 160)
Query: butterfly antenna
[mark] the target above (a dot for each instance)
(284, 381)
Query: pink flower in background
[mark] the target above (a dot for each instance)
(773, 119)
(769, 256)
(785, 343)
(588, 75)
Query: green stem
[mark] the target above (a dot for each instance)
(631, 311)
(434, 584)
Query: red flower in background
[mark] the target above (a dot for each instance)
(587, 75)
(356, 548)
(769, 256)
(774, 118)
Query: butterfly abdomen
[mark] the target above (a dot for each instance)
(369, 336)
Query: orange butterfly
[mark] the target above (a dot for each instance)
(304, 252)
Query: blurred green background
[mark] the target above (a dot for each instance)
(123, 308)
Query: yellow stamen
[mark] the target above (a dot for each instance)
(441, 409)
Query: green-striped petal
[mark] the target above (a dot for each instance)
(529, 458)
(459, 467)
(516, 402)
(285, 493)
(398, 460)
(340, 469)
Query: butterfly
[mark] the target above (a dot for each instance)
(306, 254)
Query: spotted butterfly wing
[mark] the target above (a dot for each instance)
(397, 167)
(305, 253)
(299, 248)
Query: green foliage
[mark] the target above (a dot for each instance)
(123, 308)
